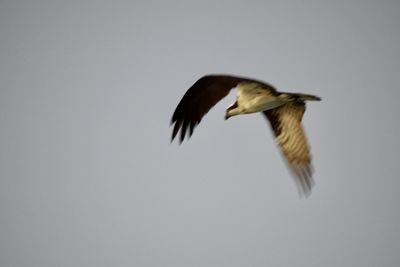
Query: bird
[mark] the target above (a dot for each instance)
(283, 110)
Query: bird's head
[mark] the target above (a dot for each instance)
(232, 110)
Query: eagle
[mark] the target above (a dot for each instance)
(283, 110)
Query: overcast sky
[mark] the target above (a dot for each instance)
(88, 176)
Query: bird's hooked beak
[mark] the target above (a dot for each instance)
(228, 112)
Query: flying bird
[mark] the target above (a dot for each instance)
(284, 111)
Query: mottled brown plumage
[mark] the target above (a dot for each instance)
(289, 134)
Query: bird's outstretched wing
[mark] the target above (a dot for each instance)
(200, 98)
(286, 124)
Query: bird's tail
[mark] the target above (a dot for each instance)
(301, 97)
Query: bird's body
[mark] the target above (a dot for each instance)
(252, 97)
(283, 110)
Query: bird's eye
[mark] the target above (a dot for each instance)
(234, 105)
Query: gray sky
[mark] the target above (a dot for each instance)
(88, 176)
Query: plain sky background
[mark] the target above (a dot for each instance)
(88, 176)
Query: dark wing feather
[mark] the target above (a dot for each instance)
(199, 99)
(286, 124)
